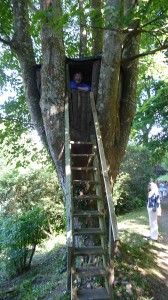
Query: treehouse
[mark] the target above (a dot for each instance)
(81, 121)
(91, 222)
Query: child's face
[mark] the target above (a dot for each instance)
(78, 78)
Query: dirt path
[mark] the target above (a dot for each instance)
(161, 251)
(157, 275)
(163, 220)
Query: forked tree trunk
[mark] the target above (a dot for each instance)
(117, 84)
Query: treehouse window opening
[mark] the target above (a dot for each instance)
(85, 68)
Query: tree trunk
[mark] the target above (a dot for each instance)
(22, 45)
(97, 27)
(117, 83)
(53, 85)
(83, 30)
(47, 112)
(117, 88)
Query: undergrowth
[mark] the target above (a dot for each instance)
(47, 278)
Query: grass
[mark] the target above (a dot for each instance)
(136, 271)
(45, 280)
(137, 262)
(163, 177)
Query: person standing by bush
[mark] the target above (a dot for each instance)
(154, 208)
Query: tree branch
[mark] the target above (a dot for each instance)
(153, 20)
(163, 47)
(8, 43)
(26, 124)
(32, 7)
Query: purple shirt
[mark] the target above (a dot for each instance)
(75, 85)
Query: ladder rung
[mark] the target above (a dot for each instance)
(84, 168)
(82, 231)
(77, 181)
(89, 251)
(87, 197)
(80, 143)
(88, 213)
(93, 294)
(83, 155)
(90, 272)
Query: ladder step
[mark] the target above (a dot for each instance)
(91, 272)
(78, 181)
(93, 294)
(88, 213)
(83, 231)
(84, 168)
(83, 155)
(80, 143)
(97, 250)
(87, 197)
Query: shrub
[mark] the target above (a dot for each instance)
(35, 188)
(130, 189)
(20, 235)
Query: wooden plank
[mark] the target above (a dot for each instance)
(84, 272)
(69, 264)
(95, 77)
(84, 168)
(68, 177)
(83, 155)
(87, 197)
(93, 294)
(105, 171)
(68, 185)
(90, 182)
(82, 231)
(88, 213)
(80, 143)
(97, 250)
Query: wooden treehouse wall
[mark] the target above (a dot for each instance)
(81, 121)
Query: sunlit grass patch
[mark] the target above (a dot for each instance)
(136, 262)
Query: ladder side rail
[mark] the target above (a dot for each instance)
(68, 196)
(68, 163)
(112, 215)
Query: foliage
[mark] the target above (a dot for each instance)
(43, 280)
(159, 170)
(130, 189)
(135, 265)
(20, 234)
(33, 188)
(153, 27)
(18, 139)
(31, 208)
(150, 126)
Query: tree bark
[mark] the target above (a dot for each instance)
(83, 30)
(108, 93)
(97, 27)
(117, 88)
(53, 84)
(22, 45)
(47, 109)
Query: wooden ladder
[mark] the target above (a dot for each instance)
(89, 216)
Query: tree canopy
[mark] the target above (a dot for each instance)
(45, 32)
(150, 123)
